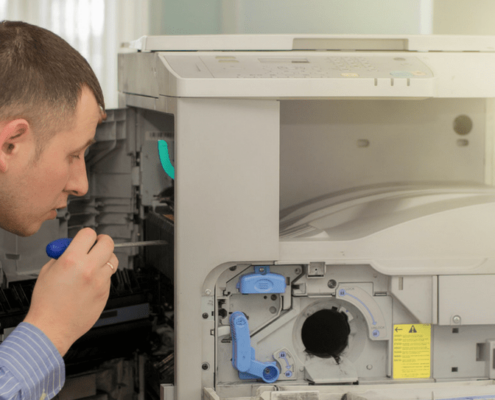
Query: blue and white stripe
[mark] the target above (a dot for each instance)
(31, 367)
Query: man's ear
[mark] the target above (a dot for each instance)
(11, 134)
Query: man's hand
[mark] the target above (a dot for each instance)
(71, 292)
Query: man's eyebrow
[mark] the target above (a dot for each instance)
(88, 143)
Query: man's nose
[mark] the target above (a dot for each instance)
(78, 180)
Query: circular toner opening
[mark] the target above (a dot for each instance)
(325, 334)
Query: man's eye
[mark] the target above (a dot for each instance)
(77, 156)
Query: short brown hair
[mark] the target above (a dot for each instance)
(41, 77)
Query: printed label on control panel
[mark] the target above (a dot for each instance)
(412, 351)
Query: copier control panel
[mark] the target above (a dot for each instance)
(313, 66)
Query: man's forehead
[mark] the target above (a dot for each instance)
(86, 118)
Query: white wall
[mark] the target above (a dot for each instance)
(327, 16)
(290, 16)
(185, 17)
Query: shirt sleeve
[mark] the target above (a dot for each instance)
(31, 367)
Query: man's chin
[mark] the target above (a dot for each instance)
(25, 231)
(23, 228)
(30, 231)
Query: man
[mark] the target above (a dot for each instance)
(50, 105)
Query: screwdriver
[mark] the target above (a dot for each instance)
(56, 248)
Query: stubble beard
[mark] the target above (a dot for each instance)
(11, 217)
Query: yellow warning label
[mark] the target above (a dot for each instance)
(412, 345)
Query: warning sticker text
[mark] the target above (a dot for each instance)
(412, 351)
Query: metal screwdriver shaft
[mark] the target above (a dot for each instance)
(141, 244)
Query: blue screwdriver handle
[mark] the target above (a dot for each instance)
(56, 248)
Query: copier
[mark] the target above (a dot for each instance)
(333, 210)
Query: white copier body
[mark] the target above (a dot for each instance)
(349, 164)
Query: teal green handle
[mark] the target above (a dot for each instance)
(165, 158)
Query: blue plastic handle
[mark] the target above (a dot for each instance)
(262, 281)
(56, 248)
(241, 343)
(243, 355)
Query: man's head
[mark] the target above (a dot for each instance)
(50, 104)
(42, 77)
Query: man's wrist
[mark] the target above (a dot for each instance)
(58, 340)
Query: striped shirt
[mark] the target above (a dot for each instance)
(30, 365)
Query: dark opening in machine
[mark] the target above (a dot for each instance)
(325, 334)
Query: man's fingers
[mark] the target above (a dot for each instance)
(83, 241)
(47, 266)
(112, 264)
(102, 250)
(93, 251)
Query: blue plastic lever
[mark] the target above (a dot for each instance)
(56, 248)
(262, 281)
(243, 355)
